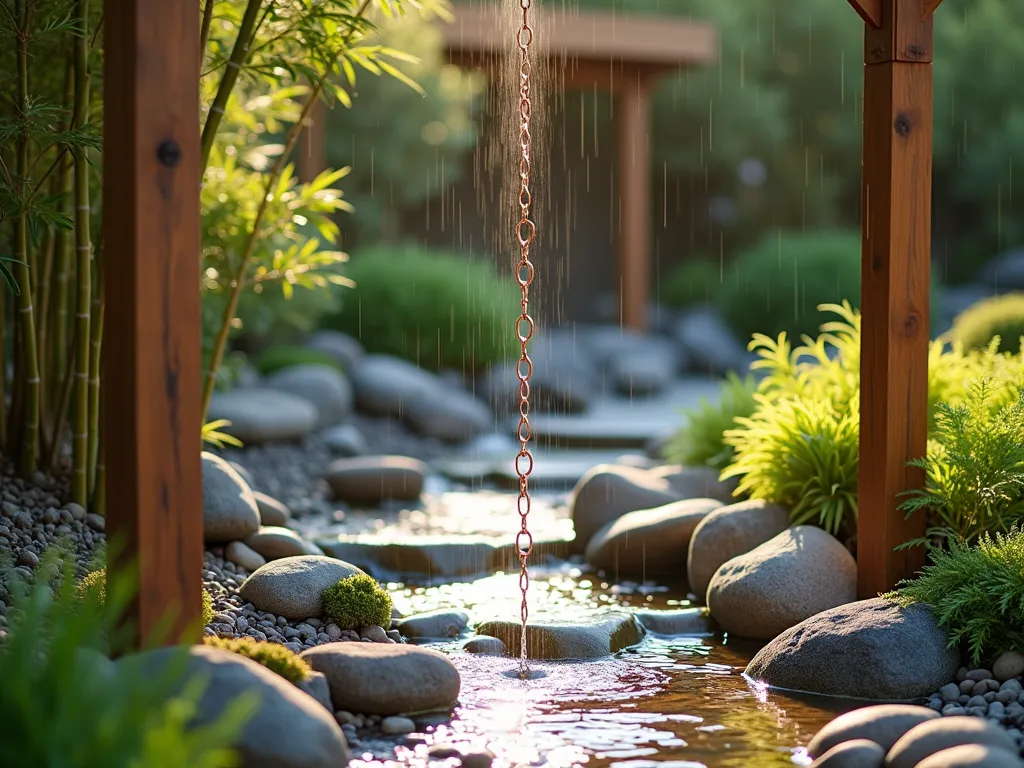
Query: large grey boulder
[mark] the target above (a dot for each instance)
(291, 587)
(229, 506)
(369, 480)
(342, 348)
(378, 679)
(450, 414)
(594, 638)
(697, 482)
(799, 573)
(325, 387)
(899, 654)
(608, 491)
(726, 533)
(261, 415)
(386, 385)
(883, 724)
(649, 541)
(940, 734)
(289, 728)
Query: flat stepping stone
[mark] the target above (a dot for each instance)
(688, 622)
(592, 638)
(264, 415)
(367, 481)
(378, 679)
(291, 586)
(552, 469)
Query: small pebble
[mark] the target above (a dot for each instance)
(1008, 665)
(333, 632)
(953, 710)
(443, 752)
(397, 725)
(96, 522)
(373, 634)
(344, 718)
(979, 674)
(967, 686)
(477, 760)
(950, 692)
(28, 558)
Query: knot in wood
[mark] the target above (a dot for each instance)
(903, 125)
(915, 51)
(168, 153)
(911, 325)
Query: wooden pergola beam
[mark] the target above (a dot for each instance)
(896, 256)
(151, 353)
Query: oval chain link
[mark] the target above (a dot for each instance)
(526, 231)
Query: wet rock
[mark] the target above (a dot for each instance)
(289, 729)
(942, 733)
(316, 687)
(697, 483)
(1008, 665)
(342, 348)
(901, 653)
(386, 385)
(799, 573)
(859, 753)
(291, 586)
(450, 415)
(435, 625)
(710, 345)
(609, 491)
(272, 511)
(229, 507)
(595, 638)
(264, 415)
(485, 646)
(688, 622)
(345, 440)
(325, 387)
(275, 542)
(244, 556)
(648, 541)
(557, 386)
(434, 556)
(395, 725)
(973, 756)
(377, 679)
(883, 724)
(727, 533)
(370, 480)
(477, 760)
(645, 371)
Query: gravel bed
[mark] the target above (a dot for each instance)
(977, 692)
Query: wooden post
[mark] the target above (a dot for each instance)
(634, 169)
(313, 144)
(896, 225)
(151, 358)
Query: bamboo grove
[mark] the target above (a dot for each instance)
(264, 65)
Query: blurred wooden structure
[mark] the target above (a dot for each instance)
(151, 205)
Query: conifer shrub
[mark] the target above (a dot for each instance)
(999, 316)
(273, 656)
(357, 601)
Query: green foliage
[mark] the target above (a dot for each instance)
(778, 286)
(278, 358)
(356, 602)
(975, 468)
(214, 435)
(440, 310)
(273, 656)
(976, 592)
(1001, 316)
(695, 281)
(93, 588)
(64, 706)
(700, 440)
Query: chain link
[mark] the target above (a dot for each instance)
(525, 233)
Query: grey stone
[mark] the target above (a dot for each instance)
(477, 760)
(883, 724)
(443, 624)
(395, 725)
(275, 542)
(264, 415)
(483, 645)
(728, 532)
(342, 348)
(644, 371)
(229, 507)
(900, 653)
(858, 753)
(697, 482)
(373, 634)
(799, 573)
(558, 384)
(272, 511)
(369, 480)
(291, 587)
(937, 735)
(449, 414)
(687, 622)
(244, 556)
(1009, 664)
(379, 679)
(289, 728)
(316, 687)
(709, 343)
(1005, 271)
(973, 756)
(979, 674)
(594, 638)
(950, 692)
(386, 385)
(345, 440)
(649, 541)
(325, 387)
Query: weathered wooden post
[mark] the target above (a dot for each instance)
(151, 356)
(896, 254)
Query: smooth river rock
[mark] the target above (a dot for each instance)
(264, 415)
(696, 482)
(369, 480)
(883, 724)
(485, 646)
(799, 573)
(229, 507)
(859, 753)
(275, 542)
(687, 622)
(291, 587)
(289, 728)
(448, 413)
(608, 491)
(973, 756)
(325, 387)
(649, 541)
(378, 679)
(386, 385)
(342, 348)
(436, 625)
(943, 733)
(272, 511)
(595, 638)
(728, 532)
(899, 653)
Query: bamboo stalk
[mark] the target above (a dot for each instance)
(83, 258)
(204, 31)
(239, 280)
(94, 378)
(29, 456)
(3, 371)
(62, 411)
(59, 352)
(239, 53)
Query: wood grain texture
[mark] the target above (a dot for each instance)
(904, 35)
(869, 10)
(151, 358)
(632, 115)
(897, 180)
(928, 7)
